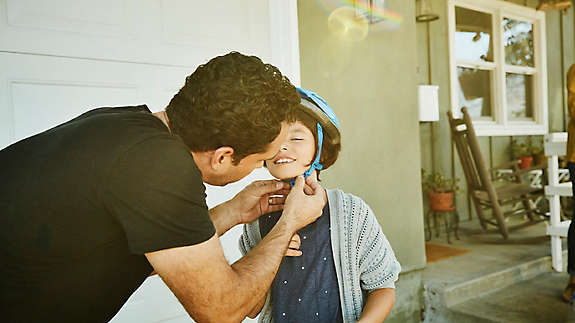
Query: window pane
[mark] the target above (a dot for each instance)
(475, 91)
(518, 39)
(519, 91)
(473, 35)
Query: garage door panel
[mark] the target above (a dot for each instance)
(38, 106)
(40, 92)
(103, 17)
(167, 32)
(178, 15)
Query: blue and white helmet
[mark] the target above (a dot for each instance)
(321, 111)
(317, 108)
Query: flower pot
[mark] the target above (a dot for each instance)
(525, 162)
(440, 201)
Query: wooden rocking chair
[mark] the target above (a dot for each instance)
(481, 183)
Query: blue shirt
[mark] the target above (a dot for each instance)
(305, 288)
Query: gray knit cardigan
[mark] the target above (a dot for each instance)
(364, 260)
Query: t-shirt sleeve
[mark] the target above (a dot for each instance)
(378, 265)
(156, 192)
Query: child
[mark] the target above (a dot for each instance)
(345, 269)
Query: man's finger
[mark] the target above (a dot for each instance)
(268, 186)
(273, 208)
(284, 192)
(299, 184)
(315, 187)
(311, 178)
(308, 190)
(276, 200)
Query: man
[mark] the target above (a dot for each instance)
(90, 208)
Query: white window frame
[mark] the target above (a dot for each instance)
(499, 125)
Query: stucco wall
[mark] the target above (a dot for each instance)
(371, 85)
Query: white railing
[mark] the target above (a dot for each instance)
(555, 146)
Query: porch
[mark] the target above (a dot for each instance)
(493, 280)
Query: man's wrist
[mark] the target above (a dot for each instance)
(288, 224)
(224, 217)
(232, 212)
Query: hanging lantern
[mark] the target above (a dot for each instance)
(548, 5)
(424, 12)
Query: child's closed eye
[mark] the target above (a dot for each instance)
(296, 139)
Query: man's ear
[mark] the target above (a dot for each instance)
(222, 157)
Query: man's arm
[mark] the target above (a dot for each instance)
(209, 288)
(378, 306)
(212, 290)
(292, 251)
(222, 218)
(258, 308)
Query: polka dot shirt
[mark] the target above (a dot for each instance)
(305, 288)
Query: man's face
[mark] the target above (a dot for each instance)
(253, 161)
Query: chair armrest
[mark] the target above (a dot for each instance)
(527, 170)
(510, 175)
(509, 165)
(515, 172)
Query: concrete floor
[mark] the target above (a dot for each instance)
(498, 281)
(534, 300)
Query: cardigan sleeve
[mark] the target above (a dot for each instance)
(377, 263)
(249, 237)
(243, 242)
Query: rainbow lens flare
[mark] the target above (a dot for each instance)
(344, 23)
(381, 19)
(381, 14)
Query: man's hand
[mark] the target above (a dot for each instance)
(259, 198)
(301, 209)
(255, 200)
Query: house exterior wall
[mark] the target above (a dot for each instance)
(437, 152)
(372, 87)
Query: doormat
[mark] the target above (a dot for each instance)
(435, 252)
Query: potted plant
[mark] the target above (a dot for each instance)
(528, 152)
(440, 190)
(522, 151)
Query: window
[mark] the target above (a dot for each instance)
(497, 62)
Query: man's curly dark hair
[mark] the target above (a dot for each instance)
(233, 100)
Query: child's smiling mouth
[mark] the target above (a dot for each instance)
(284, 160)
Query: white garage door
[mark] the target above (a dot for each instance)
(59, 58)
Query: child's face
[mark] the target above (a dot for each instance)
(296, 153)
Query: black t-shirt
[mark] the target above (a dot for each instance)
(81, 203)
